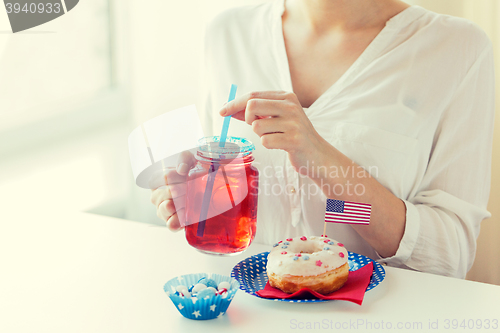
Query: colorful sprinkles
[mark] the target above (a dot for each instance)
(297, 256)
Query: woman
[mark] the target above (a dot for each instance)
(398, 100)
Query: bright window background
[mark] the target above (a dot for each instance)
(67, 58)
(64, 110)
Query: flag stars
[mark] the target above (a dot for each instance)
(196, 314)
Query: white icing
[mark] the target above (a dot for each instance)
(282, 264)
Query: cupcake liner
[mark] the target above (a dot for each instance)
(196, 308)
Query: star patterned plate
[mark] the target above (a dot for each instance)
(252, 276)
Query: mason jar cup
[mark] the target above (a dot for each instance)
(221, 198)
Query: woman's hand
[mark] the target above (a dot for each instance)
(279, 120)
(170, 199)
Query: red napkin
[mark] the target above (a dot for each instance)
(353, 290)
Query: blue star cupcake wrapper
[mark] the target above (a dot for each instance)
(201, 308)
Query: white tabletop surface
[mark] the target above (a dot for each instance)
(77, 272)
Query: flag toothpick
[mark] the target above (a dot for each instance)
(349, 212)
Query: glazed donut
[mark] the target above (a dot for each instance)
(318, 263)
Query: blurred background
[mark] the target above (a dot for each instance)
(72, 89)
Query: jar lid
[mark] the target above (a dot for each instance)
(209, 147)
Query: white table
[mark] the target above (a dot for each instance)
(77, 272)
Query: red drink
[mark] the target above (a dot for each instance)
(228, 225)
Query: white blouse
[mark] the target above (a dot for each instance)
(416, 110)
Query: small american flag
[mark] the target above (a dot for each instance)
(347, 212)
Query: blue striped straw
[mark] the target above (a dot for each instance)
(213, 170)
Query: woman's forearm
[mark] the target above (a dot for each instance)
(280, 121)
(341, 179)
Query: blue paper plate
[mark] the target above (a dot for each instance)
(252, 276)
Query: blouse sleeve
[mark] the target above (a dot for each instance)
(443, 218)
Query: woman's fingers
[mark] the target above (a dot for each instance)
(276, 116)
(269, 125)
(176, 221)
(185, 162)
(170, 199)
(157, 196)
(168, 207)
(264, 108)
(171, 176)
(277, 141)
(168, 192)
(236, 108)
(170, 202)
